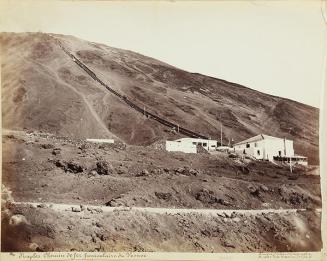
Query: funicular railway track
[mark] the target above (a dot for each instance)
(131, 104)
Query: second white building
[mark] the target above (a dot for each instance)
(266, 147)
(189, 145)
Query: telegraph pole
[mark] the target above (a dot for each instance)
(221, 130)
(291, 165)
(285, 147)
(221, 133)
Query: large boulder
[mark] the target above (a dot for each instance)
(103, 168)
(71, 166)
(163, 195)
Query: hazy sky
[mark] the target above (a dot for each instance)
(275, 47)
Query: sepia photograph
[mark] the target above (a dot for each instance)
(162, 126)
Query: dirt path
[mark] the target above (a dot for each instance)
(222, 212)
(91, 109)
(82, 96)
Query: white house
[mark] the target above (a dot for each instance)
(269, 148)
(189, 145)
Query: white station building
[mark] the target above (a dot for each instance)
(269, 148)
(189, 145)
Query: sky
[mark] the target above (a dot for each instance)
(277, 47)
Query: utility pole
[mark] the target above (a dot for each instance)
(291, 165)
(221, 133)
(285, 147)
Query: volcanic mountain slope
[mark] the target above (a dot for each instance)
(44, 89)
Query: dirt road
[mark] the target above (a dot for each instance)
(72, 227)
(67, 207)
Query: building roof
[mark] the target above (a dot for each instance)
(257, 138)
(194, 139)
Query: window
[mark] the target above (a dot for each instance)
(213, 145)
(200, 143)
(204, 144)
(248, 145)
(279, 153)
(255, 144)
(258, 151)
(194, 143)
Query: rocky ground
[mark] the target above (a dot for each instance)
(43, 168)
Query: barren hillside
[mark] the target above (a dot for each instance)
(61, 194)
(44, 89)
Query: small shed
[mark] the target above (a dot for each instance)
(101, 140)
